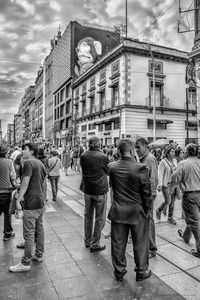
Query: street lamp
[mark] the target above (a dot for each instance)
(154, 94)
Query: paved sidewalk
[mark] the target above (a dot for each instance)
(69, 270)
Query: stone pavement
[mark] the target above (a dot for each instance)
(70, 271)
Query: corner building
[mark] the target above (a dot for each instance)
(114, 98)
(63, 61)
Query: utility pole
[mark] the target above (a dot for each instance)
(126, 17)
(154, 94)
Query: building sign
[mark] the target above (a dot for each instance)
(90, 44)
(158, 67)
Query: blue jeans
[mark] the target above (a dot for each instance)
(97, 204)
(33, 225)
(54, 185)
(191, 208)
(5, 199)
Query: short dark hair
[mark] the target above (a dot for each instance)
(32, 147)
(94, 143)
(53, 153)
(125, 146)
(191, 150)
(41, 152)
(3, 151)
(142, 141)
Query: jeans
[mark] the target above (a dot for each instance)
(191, 208)
(169, 200)
(152, 235)
(54, 185)
(5, 199)
(33, 225)
(97, 203)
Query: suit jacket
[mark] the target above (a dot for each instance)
(131, 191)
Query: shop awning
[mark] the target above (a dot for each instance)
(161, 121)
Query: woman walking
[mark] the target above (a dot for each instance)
(66, 160)
(165, 170)
(54, 166)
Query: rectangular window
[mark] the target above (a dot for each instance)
(83, 108)
(62, 124)
(55, 100)
(62, 95)
(92, 106)
(91, 126)
(116, 124)
(108, 126)
(67, 90)
(67, 107)
(83, 127)
(101, 127)
(158, 94)
(102, 96)
(115, 95)
(62, 109)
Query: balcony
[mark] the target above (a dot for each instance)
(162, 102)
(191, 106)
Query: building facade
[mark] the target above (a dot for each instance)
(114, 99)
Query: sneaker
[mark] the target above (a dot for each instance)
(171, 221)
(195, 253)
(165, 211)
(37, 258)
(21, 245)
(152, 253)
(19, 268)
(8, 237)
(158, 214)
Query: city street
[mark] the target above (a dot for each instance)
(70, 271)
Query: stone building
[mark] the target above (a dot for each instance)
(114, 98)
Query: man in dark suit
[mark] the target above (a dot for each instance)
(94, 184)
(129, 211)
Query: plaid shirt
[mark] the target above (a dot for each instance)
(94, 166)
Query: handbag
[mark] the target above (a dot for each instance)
(49, 170)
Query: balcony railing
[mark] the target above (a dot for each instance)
(191, 106)
(162, 102)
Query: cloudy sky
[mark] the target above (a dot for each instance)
(26, 27)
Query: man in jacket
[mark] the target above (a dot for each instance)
(94, 184)
(129, 211)
(187, 176)
(7, 175)
(32, 190)
(149, 160)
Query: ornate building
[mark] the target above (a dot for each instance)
(114, 98)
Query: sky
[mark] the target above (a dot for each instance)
(27, 26)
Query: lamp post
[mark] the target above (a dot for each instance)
(154, 94)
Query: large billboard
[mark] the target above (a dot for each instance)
(89, 45)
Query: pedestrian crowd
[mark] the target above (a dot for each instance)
(133, 172)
